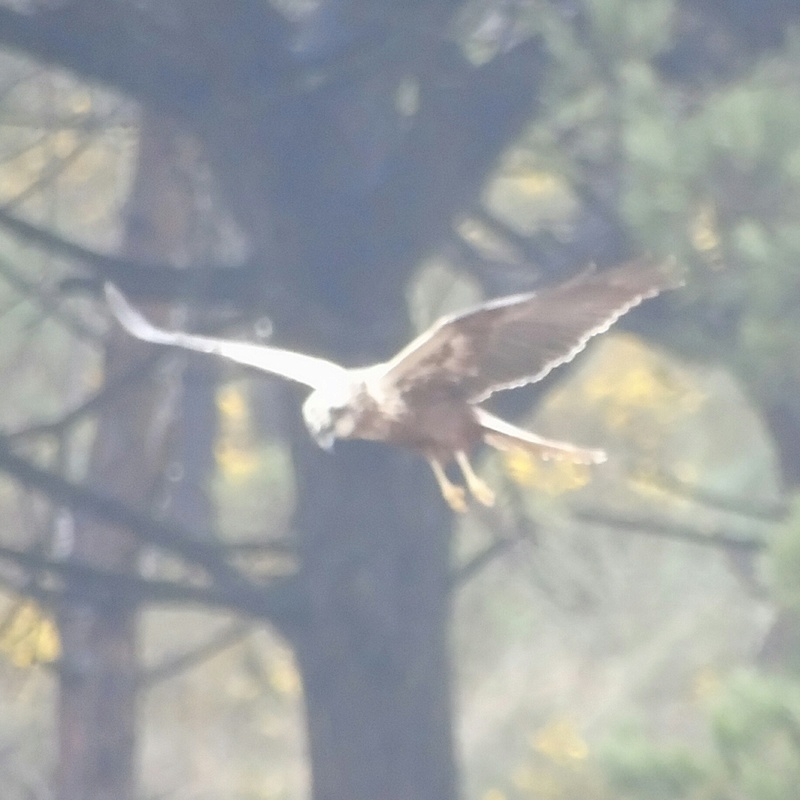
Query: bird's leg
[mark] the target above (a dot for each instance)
(478, 488)
(454, 495)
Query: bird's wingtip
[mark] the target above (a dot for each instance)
(127, 316)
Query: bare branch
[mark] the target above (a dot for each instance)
(671, 530)
(276, 600)
(751, 509)
(480, 560)
(85, 500)
(643, 526)
(524, 530)
(79, 581)
(37, 294)
(50, 173)
(241, 286)
(112, 387)
(120, 45)
(230, 636)
(162, 281)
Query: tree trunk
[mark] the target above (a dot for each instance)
(374, 651)
(97, 694)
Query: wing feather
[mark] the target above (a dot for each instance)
(308, 370)
(519, 339)
(503, 435)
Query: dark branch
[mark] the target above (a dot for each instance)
(230, 636)
(77, 581)
(52, 171)
(671, 530)
(481, 559)
(523, 530)
(110, 390)
(173, 69)
(751, 509)
(82, 499)
(241, 286)
(37, 294)
(219, 283)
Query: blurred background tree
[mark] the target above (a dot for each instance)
(333, 174)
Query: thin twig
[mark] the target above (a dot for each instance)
(89, 584)
(47, 175)
(230, 636)
(671, 530)
(110, 390)
(480, 560)
(751, 509)
(32, 290)
(82, 499)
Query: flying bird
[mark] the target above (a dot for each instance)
(426, 397)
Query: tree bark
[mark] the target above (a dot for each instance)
(97, 694)
(373, 652)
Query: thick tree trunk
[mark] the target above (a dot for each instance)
(374, 650)
(97, 699)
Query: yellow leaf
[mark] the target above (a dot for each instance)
(28, 637)
(235, 456)
(231, 403)
(551, 477)
(704, 229)
(560, 741)
(235, 462)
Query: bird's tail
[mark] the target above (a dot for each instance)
(503, 435)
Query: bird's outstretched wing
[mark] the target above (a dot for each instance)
(314, 372)
(516, 340)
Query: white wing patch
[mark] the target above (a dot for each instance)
(318, 373)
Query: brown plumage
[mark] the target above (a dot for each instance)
(425, 398)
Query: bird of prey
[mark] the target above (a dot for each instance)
(426, 397)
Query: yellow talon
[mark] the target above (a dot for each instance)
(455, 496)
(482, 493)
(478, 489)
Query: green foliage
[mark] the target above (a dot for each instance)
(784, 559)
(636, 767)
(756, 725)
(754, 753)
(643, 28)
(753, 723)
(709, 174)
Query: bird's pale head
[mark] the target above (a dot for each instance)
(330, 415)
